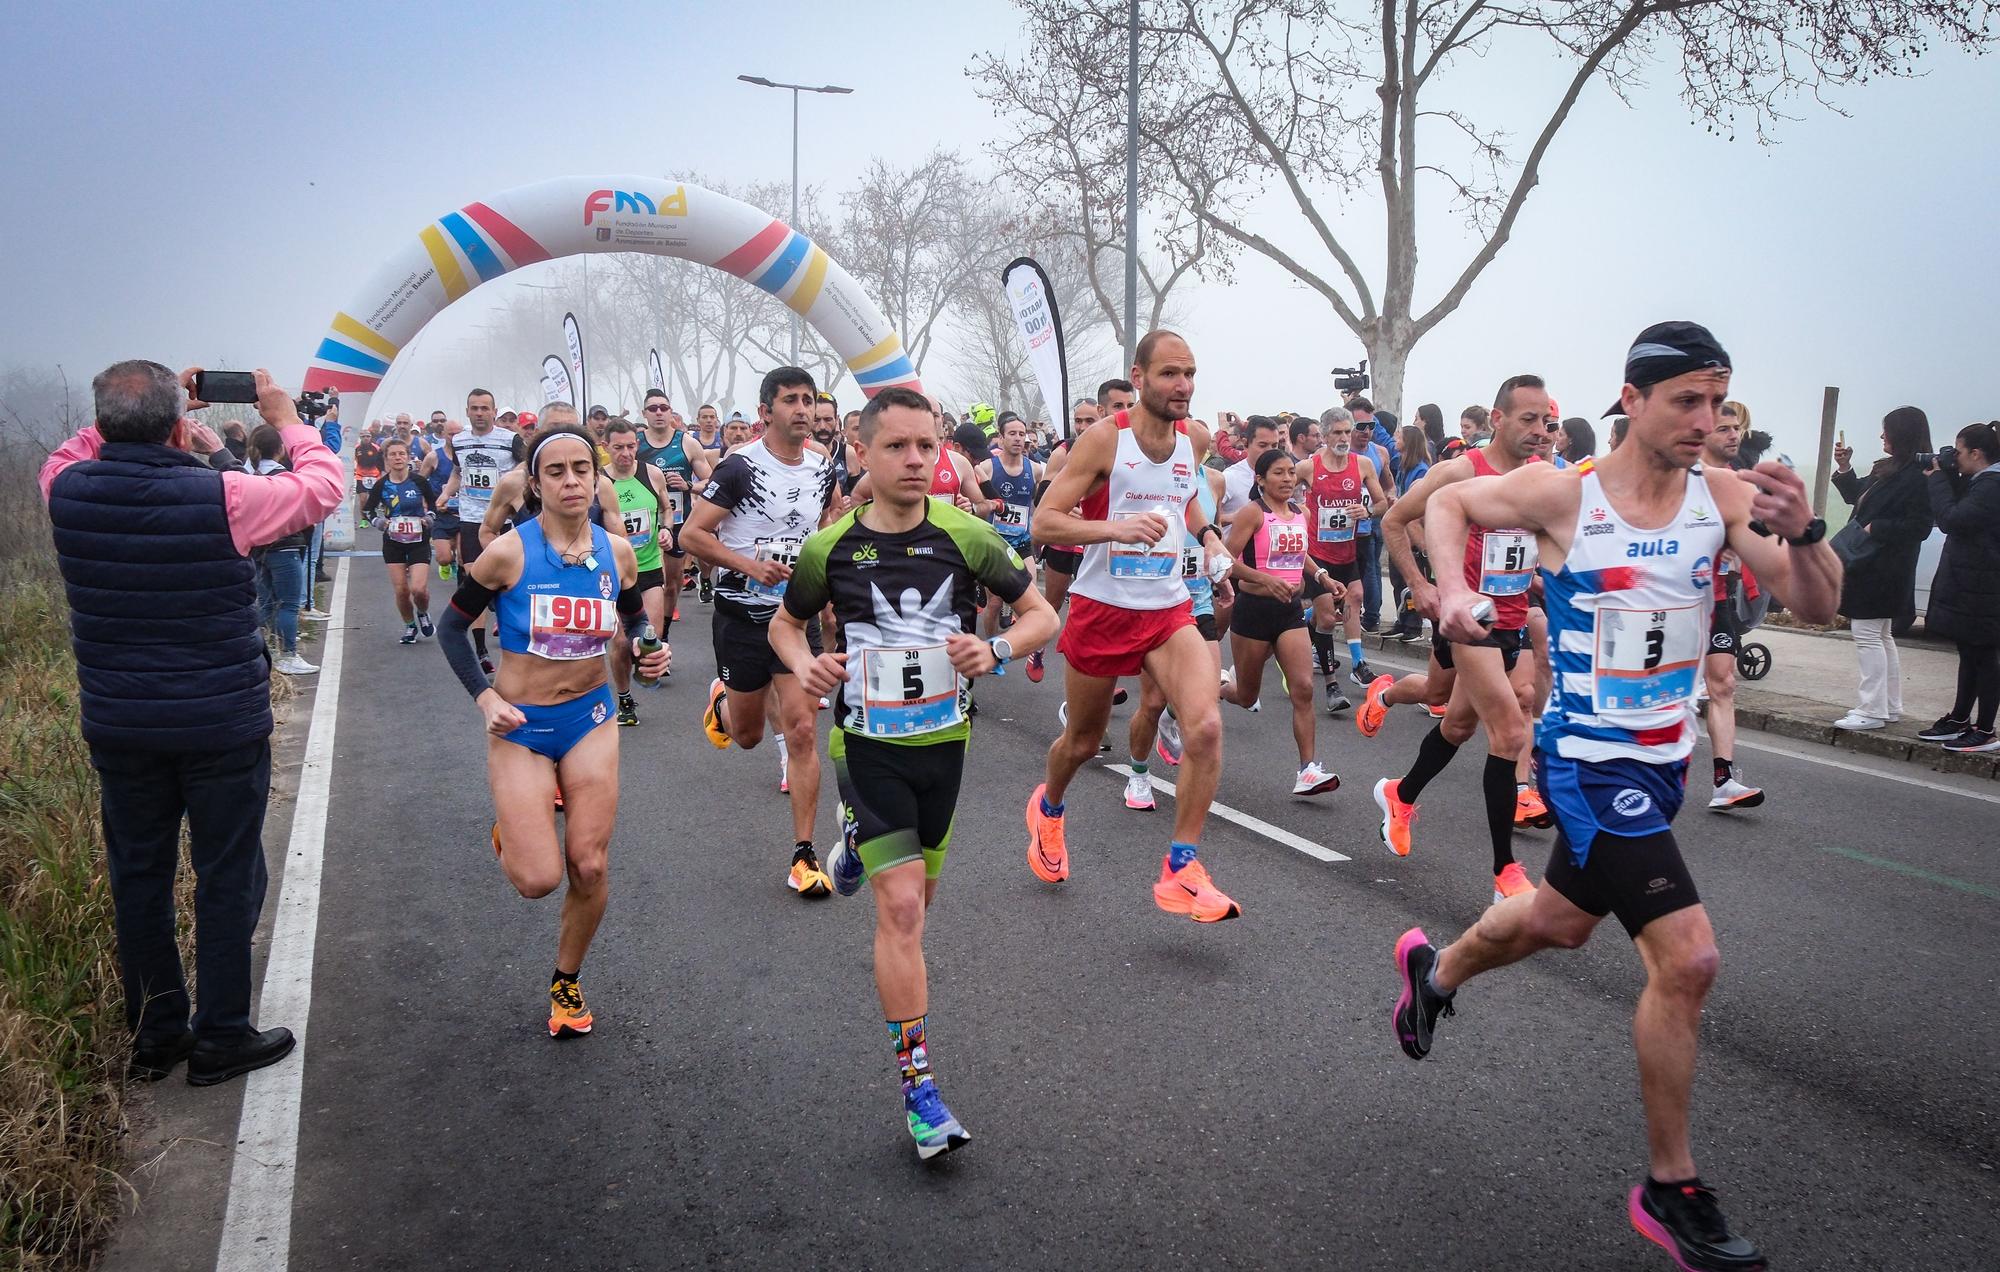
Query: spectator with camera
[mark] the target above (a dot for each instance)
(1878, 547)
(1965, 596)
(154, 548)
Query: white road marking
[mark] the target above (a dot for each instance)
(1932, 783)
(1245, 820)
(257, 1229)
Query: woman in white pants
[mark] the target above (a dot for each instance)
(1892, 507)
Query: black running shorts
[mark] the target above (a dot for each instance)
(418, 553)
(900, 800)
(744, 659)
(1062, 560)
(1638, 878)
(1261, 618)
(1507, 642)
(1724, 632)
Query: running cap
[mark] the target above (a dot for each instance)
(736, 417)
(1668, 349)
(972, 440)
(599, 413)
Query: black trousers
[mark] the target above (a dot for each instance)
(221, 795)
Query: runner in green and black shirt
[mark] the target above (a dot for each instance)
(901, 573)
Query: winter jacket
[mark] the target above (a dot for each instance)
(1965, 595)
(1896, 510)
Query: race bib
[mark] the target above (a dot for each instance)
(784, 552)
(1010, 516)
(1191, 561)
(1287, 541)
(908, 692)
(677, 503)
(1336, 523)
(1507, 562)
(405, 530)
(568, 628)
(1647, 659)
(478, 479)
(1137, 561)
(639, 527)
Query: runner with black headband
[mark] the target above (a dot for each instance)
(406, 504)
(561, 587)
(1628, 551)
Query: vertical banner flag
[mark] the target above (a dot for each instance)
(574, 335)
(1034, 304)
(555, 382)
(659, 377)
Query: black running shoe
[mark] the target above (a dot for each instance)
(1944, 730)
(1336, 701)
(1363, 674)
(1973, 741)
(628, 710)
(1684, 1220)
(1418, 1006)
(707, 593)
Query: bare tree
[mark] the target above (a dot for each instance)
(1309, 100)
(1063, 159)
(903, 240)
(989, 362)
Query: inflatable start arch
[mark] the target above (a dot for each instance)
(570, 216)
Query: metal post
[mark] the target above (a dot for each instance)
(1828, 409)
(1132, 183)
(795, 208)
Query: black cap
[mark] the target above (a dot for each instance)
(596, 411)
(972, 440)
(1668, 349)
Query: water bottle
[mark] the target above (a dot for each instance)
(649, 641)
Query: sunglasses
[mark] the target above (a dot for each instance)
(659, 406)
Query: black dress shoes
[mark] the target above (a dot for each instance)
(213, 1062)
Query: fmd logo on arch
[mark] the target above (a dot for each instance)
(620, 201)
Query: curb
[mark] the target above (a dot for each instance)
(1807, 721)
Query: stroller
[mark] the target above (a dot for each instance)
(1750, 605)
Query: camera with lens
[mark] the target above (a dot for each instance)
(312, 404)
(1947, 459)
(1351, 379)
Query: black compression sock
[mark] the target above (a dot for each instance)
(1432, 756)
(561, 975)
(666, 626)
(1723, 771)
(1500, 794)
(1323, 651)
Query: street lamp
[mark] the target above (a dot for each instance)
(796, 89)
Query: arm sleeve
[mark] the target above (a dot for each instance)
(85, 445)
(264, 509)
(455, 639)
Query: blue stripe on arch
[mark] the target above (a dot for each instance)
(347, 356)
(483, 261)
(774, 279)
(887, 373)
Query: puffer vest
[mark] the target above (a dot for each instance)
(163, 609)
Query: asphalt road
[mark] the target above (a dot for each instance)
(1143, 1092)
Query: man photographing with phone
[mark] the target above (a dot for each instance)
(154, 545)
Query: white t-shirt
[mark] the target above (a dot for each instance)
(1236, 482)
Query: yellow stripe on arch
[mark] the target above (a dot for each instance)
(807, 291)
(346, 326)
(880, 353)
(448, 271)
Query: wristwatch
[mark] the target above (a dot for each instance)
(1002, 651)
(1815, 531)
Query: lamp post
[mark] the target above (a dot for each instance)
(1132, 182)
(796, 89)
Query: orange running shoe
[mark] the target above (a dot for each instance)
(1190, 891)
(711, 718)
(1511, 882)
(807, 878)
(1437, 713)
(1398, 818)
(1529, 810)
(1373, 710)
(569, 1015)
(1048, 856)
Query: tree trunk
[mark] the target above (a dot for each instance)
(1388, 356)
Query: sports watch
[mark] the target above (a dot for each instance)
(1002, 651)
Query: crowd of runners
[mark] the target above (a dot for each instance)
(870, 567)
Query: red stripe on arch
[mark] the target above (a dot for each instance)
(743, 259)
(512, 239)
(320, 378)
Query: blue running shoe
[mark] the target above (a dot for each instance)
(844, 864)
(931, 1123)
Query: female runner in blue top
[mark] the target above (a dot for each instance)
(564, 587)
(406, 503)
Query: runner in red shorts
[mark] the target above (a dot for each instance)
(1134, 476)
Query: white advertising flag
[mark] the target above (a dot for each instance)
(1034, 306)
(659, 375)
(555, 382)
(574, 335)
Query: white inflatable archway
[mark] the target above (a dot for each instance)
(570, 216)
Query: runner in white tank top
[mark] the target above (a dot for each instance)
(1126, 495)
(1627, 555)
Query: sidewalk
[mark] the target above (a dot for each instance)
(1812, 684)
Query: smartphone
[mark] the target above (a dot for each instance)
(225, 386)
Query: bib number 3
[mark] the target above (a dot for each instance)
(1648, 659)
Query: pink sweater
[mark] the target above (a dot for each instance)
(260, 509)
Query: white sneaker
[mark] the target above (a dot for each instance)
(1855, 722)
(1228, 679)
(314, 615)
(1139, 792)
(1314, 780)
(1734, 794)
(293, 665)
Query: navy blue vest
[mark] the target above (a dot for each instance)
(163, 609)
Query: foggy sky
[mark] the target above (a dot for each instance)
(201, 183)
